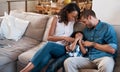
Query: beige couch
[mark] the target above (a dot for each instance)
(16, 55)
(31, 38)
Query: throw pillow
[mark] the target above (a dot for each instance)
(12, 27)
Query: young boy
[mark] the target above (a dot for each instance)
(76, 48)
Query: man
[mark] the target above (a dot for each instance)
(101, 41)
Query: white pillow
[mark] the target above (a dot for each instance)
(12, 27)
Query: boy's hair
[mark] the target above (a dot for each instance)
(74, 33)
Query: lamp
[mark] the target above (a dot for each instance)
(67, 1)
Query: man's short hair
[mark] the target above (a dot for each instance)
(86, 13)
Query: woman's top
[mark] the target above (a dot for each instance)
(64, 30)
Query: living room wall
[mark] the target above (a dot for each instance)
(107, 10)
(19, 5)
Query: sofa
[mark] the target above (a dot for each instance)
(15, 55)
(11, 49)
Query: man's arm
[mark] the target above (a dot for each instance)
(105, 47)
(102, 47)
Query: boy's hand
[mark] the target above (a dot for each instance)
(68, 48)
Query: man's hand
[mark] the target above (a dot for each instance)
(88, 43)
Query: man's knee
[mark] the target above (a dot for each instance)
(68, 61)
(106, 65)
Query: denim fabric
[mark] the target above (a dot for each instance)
(57, 64)
(103, 33)
(47, 52)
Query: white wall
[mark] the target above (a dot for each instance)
(107, 10)
(20, 5)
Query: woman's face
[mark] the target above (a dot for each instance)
(72, 16)
(78, 35)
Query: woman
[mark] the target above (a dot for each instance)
(59, 34)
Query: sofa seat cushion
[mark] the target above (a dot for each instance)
(4, 60)
(25, 57)
(88, 70)
(11, 49)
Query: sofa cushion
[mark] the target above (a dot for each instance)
(18, 14)
(49, 23)
(4, 60)
(37, 27)
(88, 70)
(11, 49)
(37, 24)
(25, 57)
(12, 27)
(1, 18)
(117, 65)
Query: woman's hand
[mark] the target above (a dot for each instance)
(69, 39)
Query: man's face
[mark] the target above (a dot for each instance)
(87, 22)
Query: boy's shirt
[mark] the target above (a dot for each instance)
(76, 52)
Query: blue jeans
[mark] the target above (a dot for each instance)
(47, 52)
(57, 64)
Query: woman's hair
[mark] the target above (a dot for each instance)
(68, 9)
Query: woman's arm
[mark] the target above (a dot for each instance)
(51, 36)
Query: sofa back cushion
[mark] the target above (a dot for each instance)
(49, 23)
(117, 64)
(37, 24)
(117, 28)
(1, 18)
